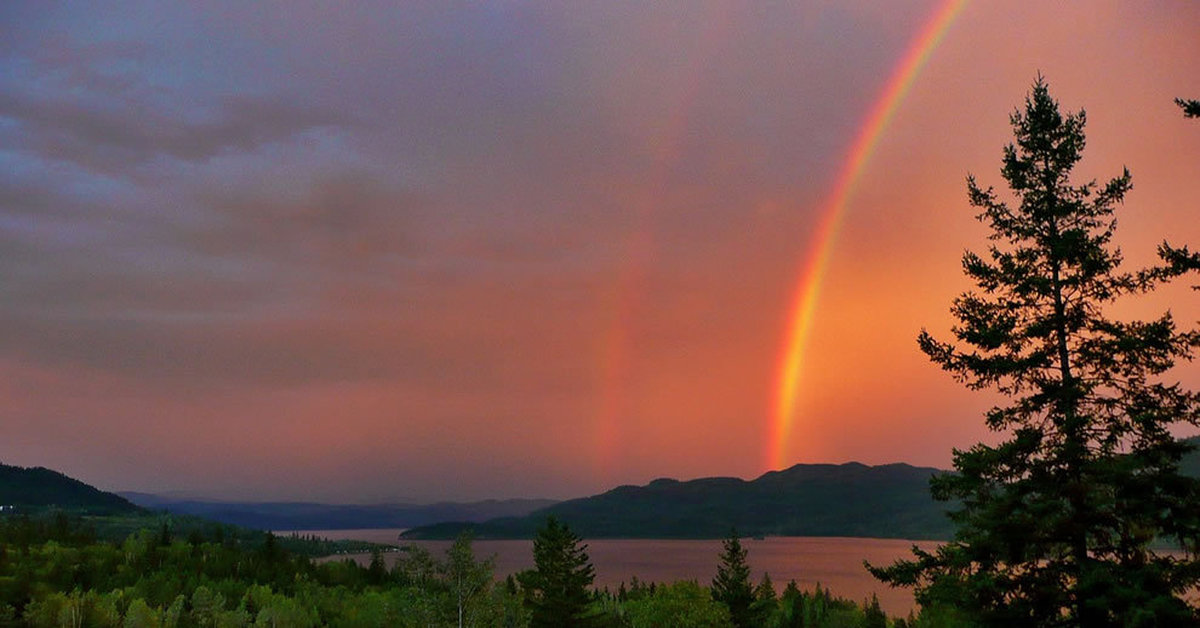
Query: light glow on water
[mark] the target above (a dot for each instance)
(834, 562)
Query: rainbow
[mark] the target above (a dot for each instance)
(638, 249)
(800, 320)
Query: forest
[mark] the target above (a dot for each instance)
(56, 571)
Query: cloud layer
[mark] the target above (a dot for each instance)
(448, 251)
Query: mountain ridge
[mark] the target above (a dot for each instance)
(23, 488)
(294, 515)
(849, 499)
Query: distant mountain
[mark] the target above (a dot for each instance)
(314, 516)
(38, 488)
(853, 499)
(889, 501)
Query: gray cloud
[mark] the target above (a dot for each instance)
(109, 138)
(455, 164)
(340, 221)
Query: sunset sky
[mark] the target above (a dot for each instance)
(413, 251)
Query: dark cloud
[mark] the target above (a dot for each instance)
(113, 137)
(340, 221)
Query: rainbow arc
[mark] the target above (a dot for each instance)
(813, 268)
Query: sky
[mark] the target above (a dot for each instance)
(419, 251)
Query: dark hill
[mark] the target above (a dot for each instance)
(313, 516)
(890, 501)
(38, 488)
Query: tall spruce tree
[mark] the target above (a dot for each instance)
(1057, 523)
(556, 588)
(731, 586)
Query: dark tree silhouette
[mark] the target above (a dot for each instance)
(557, 587)
(1191, 108)
(731, 586)
(1056, 522)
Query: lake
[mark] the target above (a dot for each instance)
(834, 562)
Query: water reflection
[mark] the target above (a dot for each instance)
(834, 562)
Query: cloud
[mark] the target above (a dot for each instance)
(107, 138)
(94, 105)
(505, 227)
(341, 221)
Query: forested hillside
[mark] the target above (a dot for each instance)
(37, 487)
(314, 516)
(889, 501)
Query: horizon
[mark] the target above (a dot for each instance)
(522, 249)
(198, 497)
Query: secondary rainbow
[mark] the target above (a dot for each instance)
(808, 288)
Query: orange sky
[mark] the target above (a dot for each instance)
(521, 249)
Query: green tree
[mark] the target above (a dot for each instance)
(731, 586)
(173, 613)
(1056, 522)
(873, 615)
(683, 604)
(766, 601)
(377, 571)
(468, 579)
(140, 615)
(277, 612)
(791, 607)
(556, 589)
(1191, 108)
(206, 606)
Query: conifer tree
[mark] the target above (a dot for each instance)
(731, 586)
(873, 615)
(1191, 108)
(766, 601)
(376, 569)
(557, 587)
(1056, 522)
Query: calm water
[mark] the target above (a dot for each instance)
(835, 562)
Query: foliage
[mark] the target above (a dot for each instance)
(146, 582)
(556, 589)
(731, 586)
(766, 602)
(468, 580)
(1191, 108)
(53, 575)
(873, 615)
(679, 605)
(1057, 521)
(816, 609)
